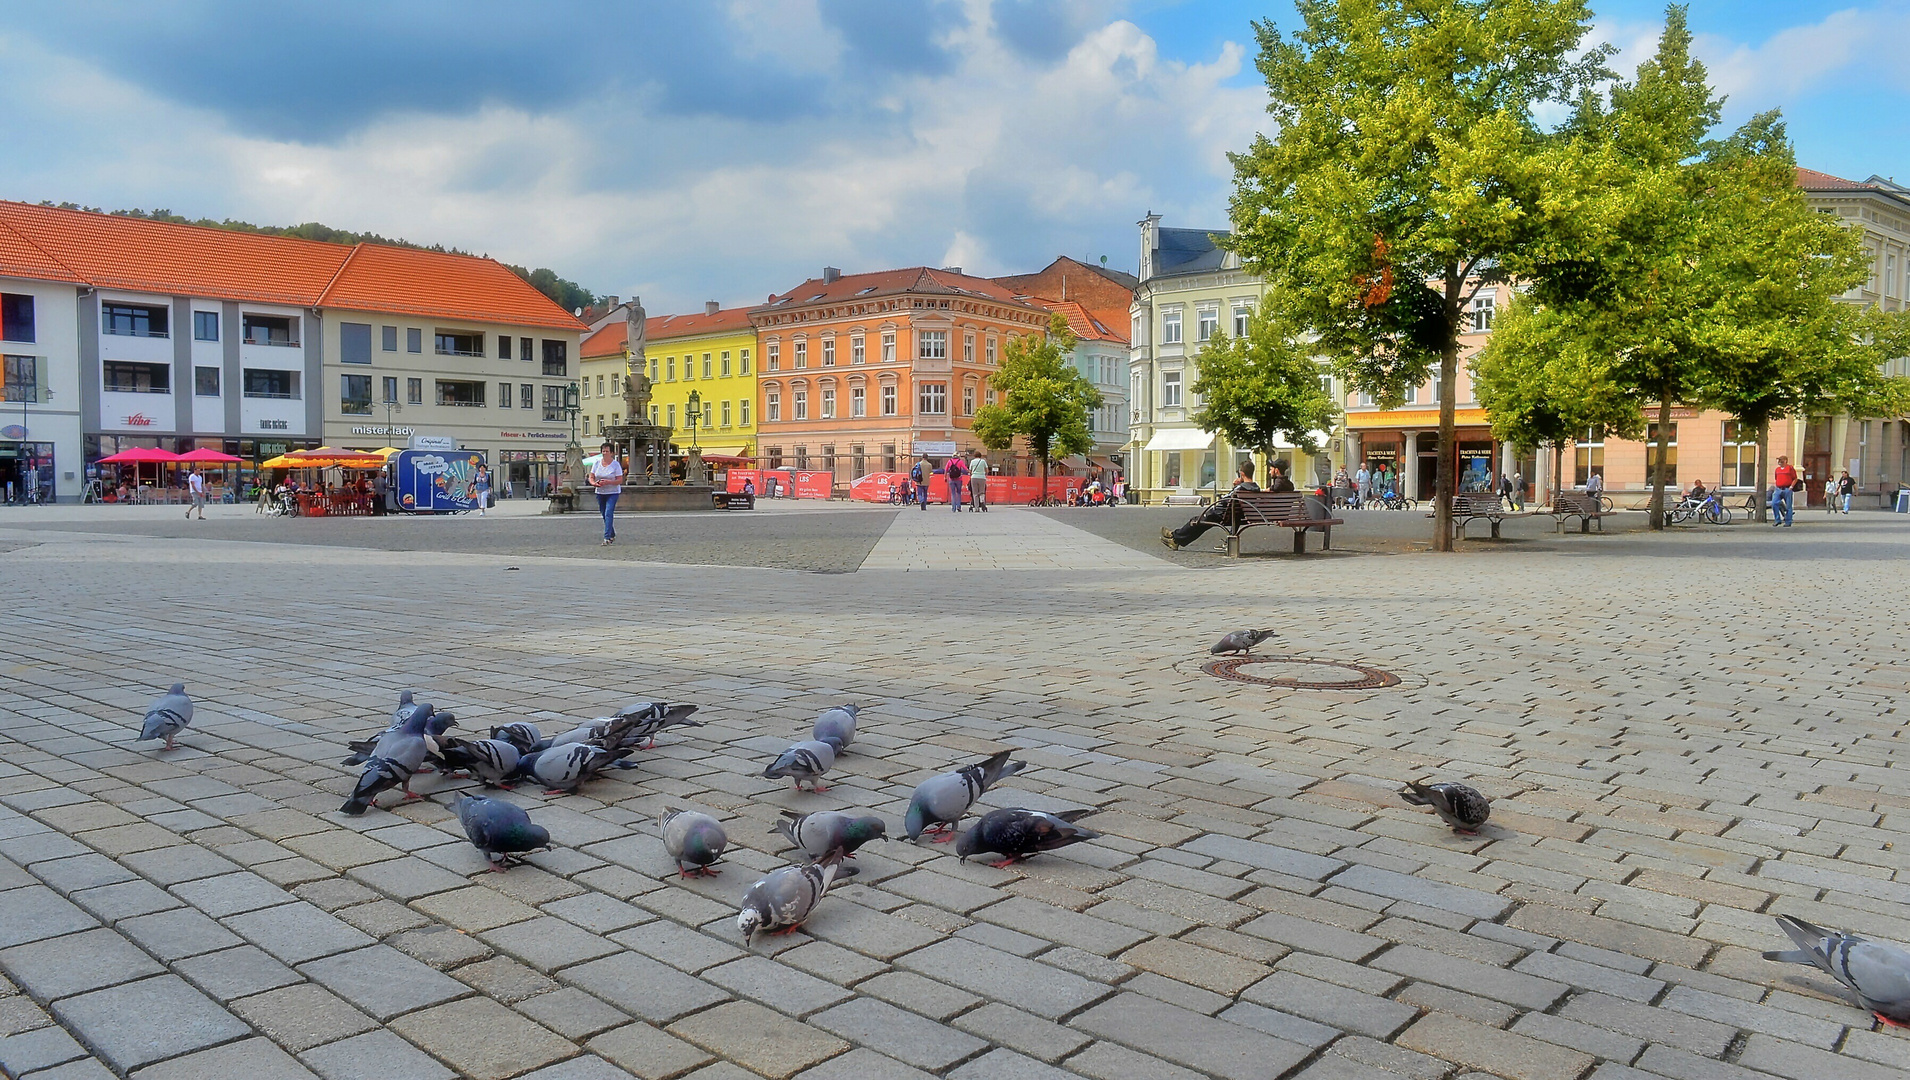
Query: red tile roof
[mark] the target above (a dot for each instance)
(1812, 180)
(913, 279)
(609, 340)
(111, 252)
(1087, 325)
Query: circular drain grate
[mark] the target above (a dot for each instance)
(1300, 673)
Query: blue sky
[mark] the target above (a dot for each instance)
(725, 149)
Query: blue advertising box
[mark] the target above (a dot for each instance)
(435, 481)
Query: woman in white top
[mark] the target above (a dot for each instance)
(978, 481)
(606, 477)
(483, 488)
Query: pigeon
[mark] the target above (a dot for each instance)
(694, 840)
(167, 717)
(561, 768)
(1241, 641)
(1015, 834)
(647, 718)
(1878, 972)
(1457, 805)
(394, 759)
(780, 902)
(807, 760)
(837, 726)
(825, 831)
(492, 761)
(499, 829)
(523, 734)
(940, 801)
(434, 730)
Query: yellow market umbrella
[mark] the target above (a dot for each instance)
(328, 456)
(281, 462)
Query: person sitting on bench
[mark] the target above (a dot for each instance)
(1224, 511)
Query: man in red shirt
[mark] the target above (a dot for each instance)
(1782, 482)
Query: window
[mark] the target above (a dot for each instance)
(709, 412)
(669, 369)
(451, 344)
(859, 460)
(20, 378)
(773, 404)
(460, 393)
(126, 378)
(553, 403)
(354, 343)
(205, 382)
(743, 405)
(888, 399)
(968, 348)
(414, 391)
(1740, 455)
(726, 414)
(391, 390)
(689, 367)
(653, 369)
(269, 329)
(828, 352)
(858, 350)
(991, 350)
(968, 399)
(390, 338)
(706, 365)
(726, 364)
(1411, 396)
(1243, 313)
(503, 395)
(523, 350)
(802, 354)
(932, 398)
(524, 392)
(132, 320)
(586, 427)
(1208, 324)
(931, 345)
(205, 326)
(1481, 313)
(670, 414)
(799, 402)
(742, 360)
(414, 340)
(269, 383)
(354, 399)
(1589, 460)
(1671, 454)
(1170, 389)
(802, 457)
(888, 346)
(775, 456)
(16, 317)
(828, 403)
(858, 402)
(775, 355)
(504, 346)
(1170, 327)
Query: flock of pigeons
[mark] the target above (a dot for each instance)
(416, 741)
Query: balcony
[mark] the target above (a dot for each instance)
(284, 343)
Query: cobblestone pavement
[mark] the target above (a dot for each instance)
(1681, 740)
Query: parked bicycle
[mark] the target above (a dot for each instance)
(1708, 509)
(1391, 500)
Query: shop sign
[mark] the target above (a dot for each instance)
(140, 420)
(439, 443)
(271, 449)
(274, 425)
(532, 435)
(379, 429)
(13, 431)
(934, 449)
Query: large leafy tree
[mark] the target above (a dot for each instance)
(1041, 397)
(1407, 173)
(1259, 389)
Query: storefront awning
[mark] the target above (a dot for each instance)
(1181, 439)
(724, 451)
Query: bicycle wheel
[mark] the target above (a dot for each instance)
(1604, 504)
(1409, 504)
(1720, 514)
(1679, 514)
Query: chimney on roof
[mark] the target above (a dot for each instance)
(711, 307)
(951, 269)
(830, 275)
(611, 302)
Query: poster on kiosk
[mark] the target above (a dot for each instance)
(435, 481)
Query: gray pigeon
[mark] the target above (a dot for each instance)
(434, 730)
(167, 717)
(837, 726)
(807, 760)
(522, 734)
(825, 831)
(644, 719)
(940, 801)
(561, 768)
(694, 840)
(395, 758)
(499, 829)
(1457, 805)
(1241, 641)
(1015, 834)
(1878, 972)
(780, 902)
(492, 761)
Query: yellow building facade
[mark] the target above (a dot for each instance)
(711, 355)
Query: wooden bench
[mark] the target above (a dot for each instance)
(1186, 500)
(1583, 507)
(734, 500)
(1286, 509)
(1478, 504)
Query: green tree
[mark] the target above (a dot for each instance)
(1256, 389)
(1042, 397)
(1407, 173)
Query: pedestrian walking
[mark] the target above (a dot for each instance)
(1782, 510)
(1363, 484)
(957, 476)
(606, 478)
(918, 475)
(1595, 484)
(978, 482)
(196, 484)
(379, 486)
(1518, 491)
(483, 489)
(1846, 487)
(1505, 488)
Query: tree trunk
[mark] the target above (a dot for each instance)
(1448, 386)
(1042, 498)
(1658, 471)
(1763, 469)
(1558, 466)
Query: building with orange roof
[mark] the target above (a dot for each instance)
(123, 332)
(710, 354)
(861, 373)
(1095, 301)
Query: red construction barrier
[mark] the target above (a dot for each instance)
(791, 483)
(877, 487)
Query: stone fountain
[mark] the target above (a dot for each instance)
(646, 484)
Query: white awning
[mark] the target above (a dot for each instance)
(1180, 439)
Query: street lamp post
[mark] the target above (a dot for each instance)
(25, 457)
(391, 406)
(571, 409)
(696, 413)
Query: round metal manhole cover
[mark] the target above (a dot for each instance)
(1301, 673)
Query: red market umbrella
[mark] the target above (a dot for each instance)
(140, 455)
(207, 455)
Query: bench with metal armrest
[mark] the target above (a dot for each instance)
(1585, 508)
(1285, 509)
(1484, 505)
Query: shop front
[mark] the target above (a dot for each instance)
(1414, 452)
(26, 472)
(528, 474)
